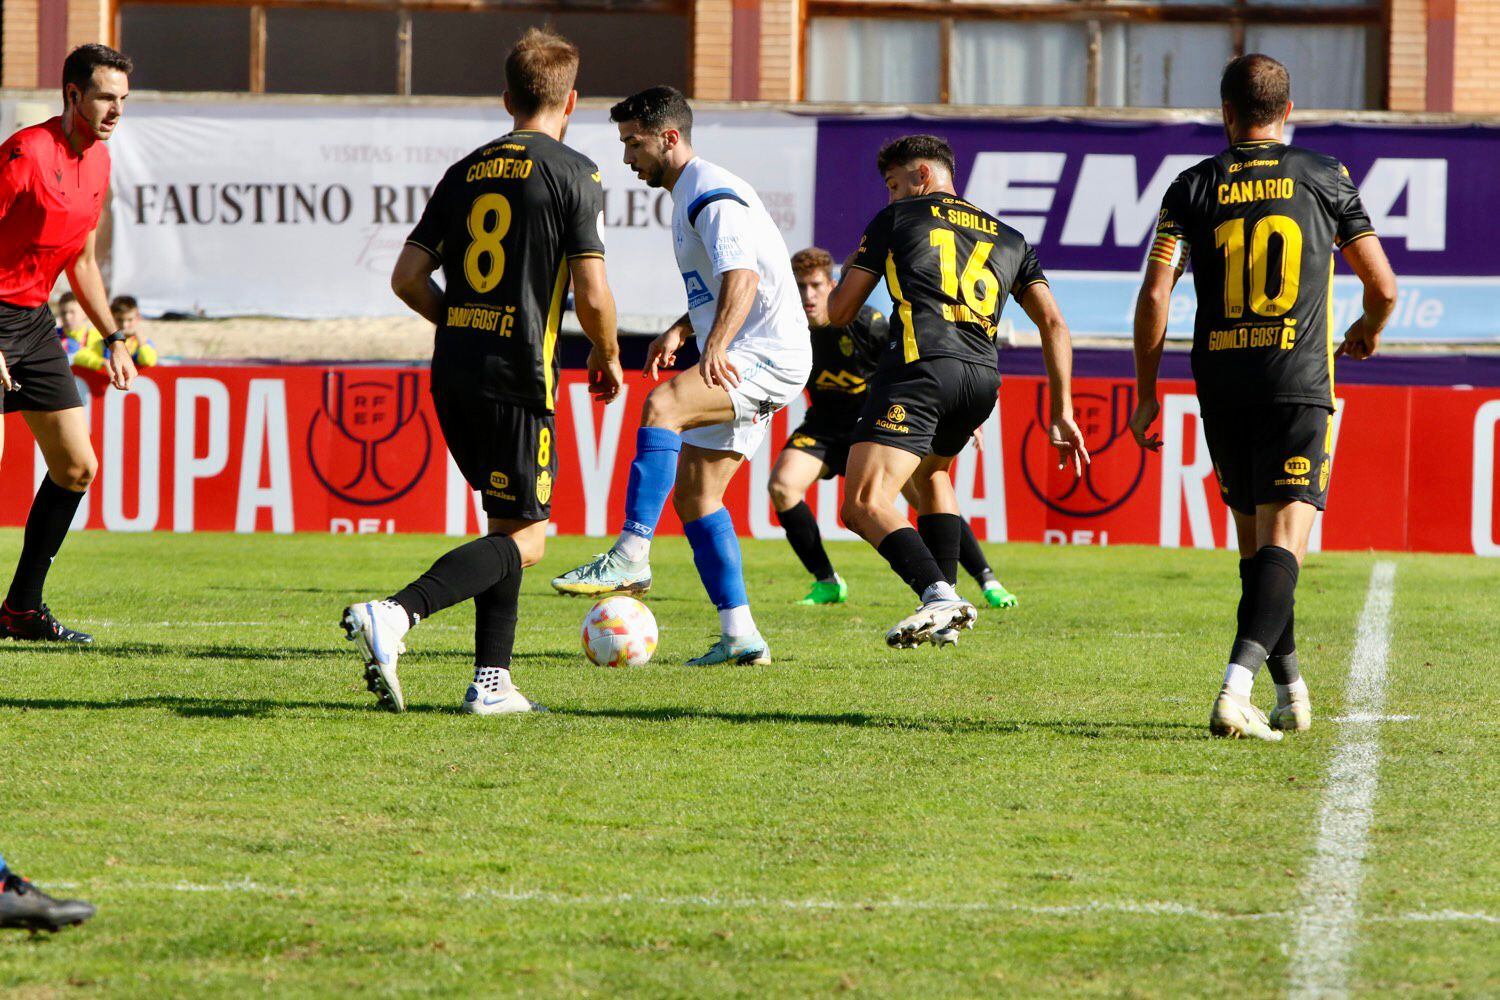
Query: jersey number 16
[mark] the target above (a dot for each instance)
(977, 287)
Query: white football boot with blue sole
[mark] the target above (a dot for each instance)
(744, 650)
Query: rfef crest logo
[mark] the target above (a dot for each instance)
(1116, 466)
(369, 444)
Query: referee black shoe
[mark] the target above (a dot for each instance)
(37, 626)
(25, 906)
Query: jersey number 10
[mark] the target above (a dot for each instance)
(1230, 237)
(484, 261)
(977, 285)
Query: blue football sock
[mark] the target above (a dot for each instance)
(716, 553)
(652, 474)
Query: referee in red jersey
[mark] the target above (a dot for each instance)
(52, 182)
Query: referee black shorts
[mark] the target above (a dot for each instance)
(1271, 453)
(34, 354)
(931, 406)
(505, 451)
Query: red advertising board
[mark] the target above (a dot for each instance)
(357, 449)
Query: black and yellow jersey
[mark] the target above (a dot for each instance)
(843, 359)
(948, 266)
(1259, 223)
(504, 221)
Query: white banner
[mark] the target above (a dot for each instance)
(288, 209)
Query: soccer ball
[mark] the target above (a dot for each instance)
(619, 632)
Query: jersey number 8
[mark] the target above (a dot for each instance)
(484, 263)
(1230, 237)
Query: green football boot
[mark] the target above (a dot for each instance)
(996, 596)
(834, 591)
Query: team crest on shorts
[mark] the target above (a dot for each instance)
(1323, 471)
(1298, 466)
(543, 487)
(499, 480)
(803, 441)
(846, 344)
(896, 414)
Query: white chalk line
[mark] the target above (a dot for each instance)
(1327, 920)
(1146, 908)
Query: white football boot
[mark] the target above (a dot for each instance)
(1293, 711)
(1235, 719)
(377, 627)
(493, 699)
(928, 620)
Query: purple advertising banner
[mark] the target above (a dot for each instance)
(1086, 194)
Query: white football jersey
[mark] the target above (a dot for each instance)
(719, 224)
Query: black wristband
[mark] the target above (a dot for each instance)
(115, 338)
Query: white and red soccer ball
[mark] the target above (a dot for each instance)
(619, 632)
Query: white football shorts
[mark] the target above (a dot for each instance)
(766, 385)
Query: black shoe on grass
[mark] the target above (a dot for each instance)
(25, 906)
(37, 626)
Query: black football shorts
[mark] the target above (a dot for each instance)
(34, 354)
(1271, 453)
(505, 451)
(826, 437)
(930, 406)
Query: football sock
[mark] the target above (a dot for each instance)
(736, 621)
(806, 540)
(652, 473)
(1282, 663)
(1284, 692)
(46, 526)
(972, 556)
(494, 678)
(460, 574)
(1239, 681)
(495, 613)
(942, 533)
(716, 553)
(911, 559)
(1266, 605)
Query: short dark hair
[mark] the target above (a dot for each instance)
(910, 148)
(540, 71)
(65, 298)
(805, 262)
(1257, 87)
(656, 108)
(78, 68)
(123, 304)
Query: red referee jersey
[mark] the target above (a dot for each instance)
(50, 200)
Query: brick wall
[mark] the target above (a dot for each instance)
(713, 38)
(19, 22)
(780, 56)
(1408, 55)
(1476, 70)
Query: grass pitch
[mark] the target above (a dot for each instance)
(1039, 811)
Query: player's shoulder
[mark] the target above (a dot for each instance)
(559, 155)
(32, 138)
(868, 317)
(1313, 162)
(711, 179)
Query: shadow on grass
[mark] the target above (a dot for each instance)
(1107, 729)
(241, 651)
(211, 708)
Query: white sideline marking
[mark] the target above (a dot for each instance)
(1130, 907)
(1328, 917)
(1367, 717)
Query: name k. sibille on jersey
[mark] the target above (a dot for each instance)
(1259, 223)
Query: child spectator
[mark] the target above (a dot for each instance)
(90, 351)
(75, 330)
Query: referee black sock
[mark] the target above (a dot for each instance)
(911, 559)
(941, 533)
(495, 613)
(1269, 592)
(46, 526)
(972, 556)
(806, 540)
(460, 574)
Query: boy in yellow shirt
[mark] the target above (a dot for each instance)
(85, 345)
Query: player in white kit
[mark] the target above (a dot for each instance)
(755, 355)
